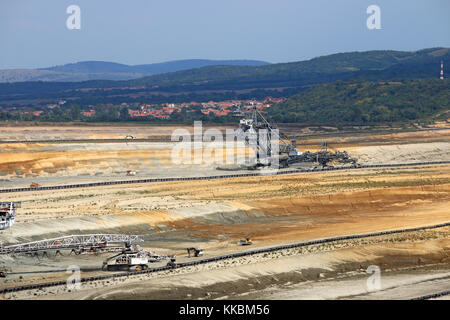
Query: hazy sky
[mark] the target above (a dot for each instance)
(33, 33)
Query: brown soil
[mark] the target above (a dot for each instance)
(214, 214)
(284, 272)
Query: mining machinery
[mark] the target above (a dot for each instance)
(34, 185)
(78, 244)
(245, 242)
(7, 217)
(4, 271)
(8, 214)
(325, 157)
(131, 172)
(134, 258)
(258, 133)
(196, 252)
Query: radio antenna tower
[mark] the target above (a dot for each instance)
(442, 70)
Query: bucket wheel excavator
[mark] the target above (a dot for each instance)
(258, 133)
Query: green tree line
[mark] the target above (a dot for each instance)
(365, 102)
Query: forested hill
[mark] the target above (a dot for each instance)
(370, 65)
(366, 102)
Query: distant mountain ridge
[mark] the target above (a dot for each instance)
(376, 64)
(153, 68)
(104, 70)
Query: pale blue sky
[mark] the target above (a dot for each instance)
(33, 33)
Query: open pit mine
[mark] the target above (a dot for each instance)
(338, 210)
